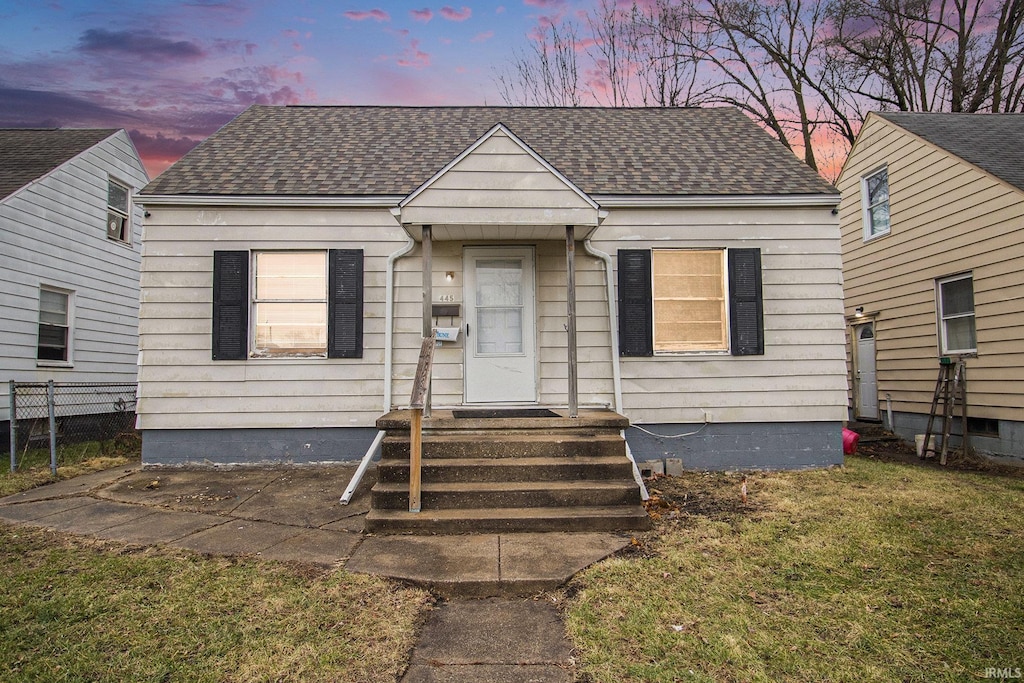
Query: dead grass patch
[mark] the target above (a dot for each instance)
(80, 610)
(876, 571)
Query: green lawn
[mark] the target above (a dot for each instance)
(871, 572)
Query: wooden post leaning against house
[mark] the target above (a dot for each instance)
(428, 294)
(419, 398)
(570, 328)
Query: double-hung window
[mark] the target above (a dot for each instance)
(290, 307)
(53, 344)
(875, 197)
(301, 304)
(956, 315)
(690, 301)
(119, 224)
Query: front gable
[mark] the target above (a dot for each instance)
(499, 180)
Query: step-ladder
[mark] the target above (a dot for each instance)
(950, 390)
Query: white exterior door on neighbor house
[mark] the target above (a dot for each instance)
(867, 380)
(501, 345)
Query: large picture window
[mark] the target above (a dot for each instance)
(689, 300)
(290, 306)
(54, 326)
(957, 332)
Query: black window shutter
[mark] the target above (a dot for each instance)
(746, 309)
(636, 305)
(230, 305)
(345, 304)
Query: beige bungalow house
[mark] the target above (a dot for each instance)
(932, 220)
(673, 273)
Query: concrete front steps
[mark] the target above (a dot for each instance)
(497, 474)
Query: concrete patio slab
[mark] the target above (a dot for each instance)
(450, 565)
(213, 491)
(305, 496)
(474, 640)
(316, 546)
(76, 486)
(162, 526)
(35, 511)
(354, 523)
(91, 519)
(237, 537)
(554, 556)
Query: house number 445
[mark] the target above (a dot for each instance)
(446, 298)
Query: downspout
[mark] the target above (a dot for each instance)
(613, 324)
(389, 319)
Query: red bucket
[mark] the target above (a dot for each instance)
(850, 439)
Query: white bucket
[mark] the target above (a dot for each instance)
(919, 441)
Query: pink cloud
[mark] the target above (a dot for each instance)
(500, 9)
(544, 3)
(482, 37)
(363, 15)
(452, 14)
(290, 33)
(423, 15)
(413, 57)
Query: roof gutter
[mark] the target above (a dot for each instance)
(623, 201)
(258, 201)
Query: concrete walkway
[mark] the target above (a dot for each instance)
(293, 515)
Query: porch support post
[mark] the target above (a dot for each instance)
(428, 297)
(570, 327)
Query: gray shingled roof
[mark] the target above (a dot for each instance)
(993, 142)
(353, 151)
(27, 154)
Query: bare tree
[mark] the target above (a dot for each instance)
(941, 55)
(546, 76)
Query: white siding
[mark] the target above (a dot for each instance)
(499, 183)
(947, 217)
(802, 375)
(181, 387)
(53, 233)
(800, 378)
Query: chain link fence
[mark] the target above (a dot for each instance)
(69, 419)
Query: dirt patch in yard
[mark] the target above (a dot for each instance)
(893, 449)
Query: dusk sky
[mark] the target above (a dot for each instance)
(172, 73)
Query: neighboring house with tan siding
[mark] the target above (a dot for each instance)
(284, 290)
(70, 247)
(932, 220)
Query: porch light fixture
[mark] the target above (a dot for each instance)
(859, 311)
(449, 276)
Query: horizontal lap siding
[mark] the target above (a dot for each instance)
(801, 376)
(593, 340)
(54, 233)
(182, 388)
(947, 218)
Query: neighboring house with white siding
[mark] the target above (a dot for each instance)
(284, 298)
(932, 220)
(70, 246)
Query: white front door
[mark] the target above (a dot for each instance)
(867, 379)
(501, 344)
